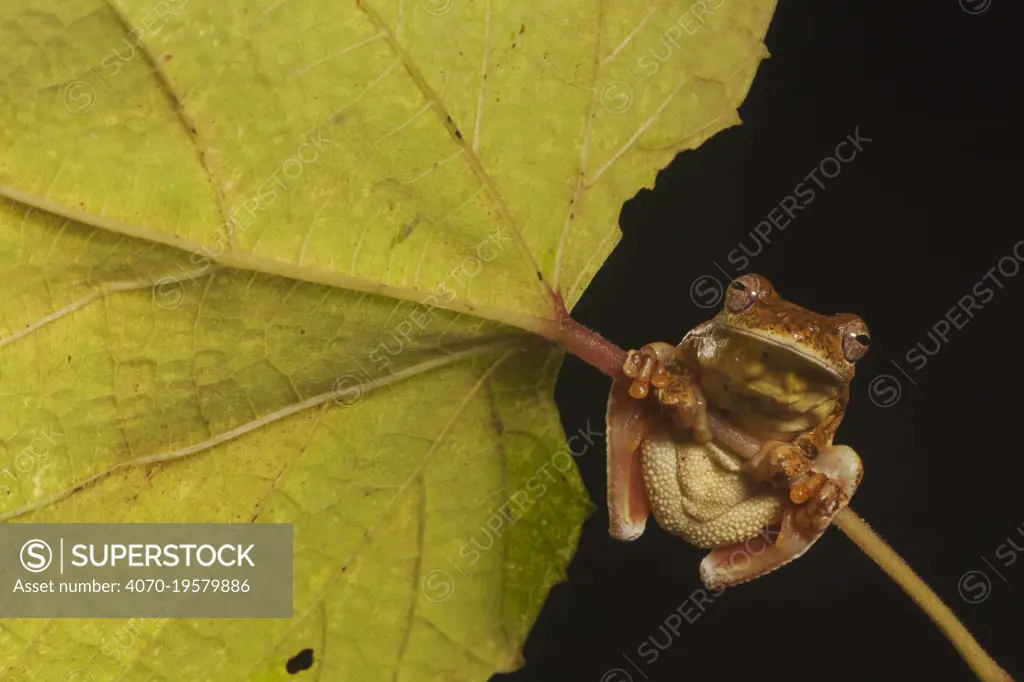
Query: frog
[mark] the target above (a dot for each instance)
(777, 372)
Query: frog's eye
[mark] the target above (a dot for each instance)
(856, 340)
(741, 293)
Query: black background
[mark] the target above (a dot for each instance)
(899, 236)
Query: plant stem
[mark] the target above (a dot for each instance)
(585, 344)
(608, 358)
(896, 568)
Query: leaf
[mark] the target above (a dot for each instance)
(279, 261)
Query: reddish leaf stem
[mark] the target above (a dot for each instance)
(585, 344)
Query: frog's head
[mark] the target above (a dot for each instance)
(776, 368)
(832, 342)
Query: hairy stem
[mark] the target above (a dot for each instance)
(585, 344)
(608, 358)
(896, 568)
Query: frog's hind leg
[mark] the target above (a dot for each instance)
(772, 548)
(627, 420)
(740, 562)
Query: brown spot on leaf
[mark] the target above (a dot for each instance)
(299, 662)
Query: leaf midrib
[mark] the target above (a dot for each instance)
(242, 261)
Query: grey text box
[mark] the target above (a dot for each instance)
(146, 570)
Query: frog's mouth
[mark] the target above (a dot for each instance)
(794, 350)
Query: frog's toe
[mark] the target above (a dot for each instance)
(646, 367)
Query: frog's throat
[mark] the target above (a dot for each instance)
(783, 342)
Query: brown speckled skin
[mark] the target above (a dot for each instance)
(773, 320)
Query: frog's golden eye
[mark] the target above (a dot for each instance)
(741, 293)
(856, 340)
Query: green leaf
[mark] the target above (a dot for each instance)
(286, 261)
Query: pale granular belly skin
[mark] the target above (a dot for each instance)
(698, 493)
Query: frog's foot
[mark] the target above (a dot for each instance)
(647, 367)
(683, 396)
(800, 527)
(676, 387)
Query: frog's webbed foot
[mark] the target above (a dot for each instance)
(676, 386)
(836, 473)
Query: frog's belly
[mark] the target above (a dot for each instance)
(699, 493)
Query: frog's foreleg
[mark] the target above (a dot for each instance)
(791, 466)
(677, 385)
(787, 466)
(820, 437)
(784, 465)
